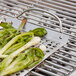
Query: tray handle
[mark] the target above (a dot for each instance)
(60, 22)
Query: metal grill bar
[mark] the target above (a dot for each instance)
(70, 18)
(66, 2)
(57, 65)
(72, 44)
(73, 22)
(10, 8)
(44, 5)
(57, 70)
(61, 4)
(68, 48)
(53, 58)
(37, 74)
(67, 53)
(66, 13)
(72, 40)
(47, 72)
(65, 57)
(24, 6)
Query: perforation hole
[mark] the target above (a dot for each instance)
(22, 70)
(54, 45)
(51, 48)
(47, 50)
(47, 40)
(49, 44)
(46, 46)
(17, 74)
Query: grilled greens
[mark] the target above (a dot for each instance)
(26, 60)
(6, 25)
(16, 42)
(7, 33)
(15, 48)
(39, 32)
(10, 58)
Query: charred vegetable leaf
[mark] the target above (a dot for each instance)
(7, 33)
(26, 60)
(7, 61)
(6, 25)
(39, 32)
(15, 47)
(16, 42)
(37, 55)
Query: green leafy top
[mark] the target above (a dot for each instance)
(26, 60)
(6, 25)
(7, 33)
(39, 32)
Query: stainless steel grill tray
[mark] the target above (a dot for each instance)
(53, 40)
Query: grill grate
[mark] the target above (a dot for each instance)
(65, 58)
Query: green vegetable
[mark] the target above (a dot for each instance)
(37, 55)
(26, 60)
(14, 48)
(7, 61)
(16, 43)
(6, 25)
(39, 32)
(7, 33)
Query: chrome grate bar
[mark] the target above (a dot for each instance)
(37, 74)
(64, 62)
(58, 70)
(47, 72)
(65, 57)
(57, 65)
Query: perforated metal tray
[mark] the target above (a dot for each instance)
(53, 40)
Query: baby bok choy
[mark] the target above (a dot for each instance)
(7, 33)
(10, 58)
(24, 60)
(16, 42)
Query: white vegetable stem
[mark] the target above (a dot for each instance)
(43, 47)
(3, 56)
(33, 42)
(12, 41)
